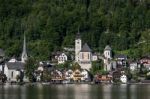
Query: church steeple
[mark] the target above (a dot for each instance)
(78, 45)
(78, 34)
(24, 52)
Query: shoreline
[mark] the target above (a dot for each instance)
(89, 83)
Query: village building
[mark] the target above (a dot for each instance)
(14, 69)
(62, 58)
(59, 57)
(134, 66)
(85, 75)
(121, 60)
(77, 75)
(145, 61)
(69, 75)
(83, 54)
(94, 57)
(103, 78)
(123, 78)
(107, 58)
(85, 57)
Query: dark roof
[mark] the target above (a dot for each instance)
(85, 48)
(57, 53)
(78, 36)
(107, 47)
(15, 65)
(121, 56)
(146, 57)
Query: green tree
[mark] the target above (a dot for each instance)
(96, 67)
(30, 67)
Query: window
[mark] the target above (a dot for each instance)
(82, 56)
(12, 74)
(88, 56)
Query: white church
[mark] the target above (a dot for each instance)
(84, 55)
(14, 68)
(107, 58)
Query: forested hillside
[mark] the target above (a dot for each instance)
(52, 24)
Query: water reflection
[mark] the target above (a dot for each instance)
(107, 91)
(82, 91)
(75, 91)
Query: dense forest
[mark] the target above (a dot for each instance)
(50, 25)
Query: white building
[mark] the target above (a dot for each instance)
(83, 55)
(85, 75)
(133, 66)
(94, 57)
(107, 58)
(123, 79)
(13, 68)
(61, 58)
(69, 75)
(78, 46)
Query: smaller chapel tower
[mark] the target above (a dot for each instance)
(107, 58)
(24, 52)
(107, 52)
(78, 46)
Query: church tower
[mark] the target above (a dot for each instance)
(107, 58)
(78, 46)
(24, 52)
(107, 52)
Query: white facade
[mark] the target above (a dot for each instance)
(85, 60)
(13, 69)
(107, 58)
(11, 74)
(69, 75)
(78, 46)
(123, 79)
(85, 56)
(107, 52)
(62, 58)
(94, 58)
(85, 75)
(133, 66)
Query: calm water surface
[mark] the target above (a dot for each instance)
(75, 91)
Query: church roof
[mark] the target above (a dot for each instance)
(78, 36)
(85, 48)
(15, 65)
(107, 47)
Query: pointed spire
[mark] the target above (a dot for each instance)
(78, 34)
(24, 52)
(24, 44)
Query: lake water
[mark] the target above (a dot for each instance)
(75, 91)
